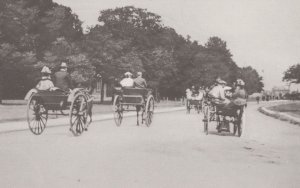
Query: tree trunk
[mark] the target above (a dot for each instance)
(102, 92)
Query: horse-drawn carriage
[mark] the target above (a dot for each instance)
(45, 103)
(195, 101)
(224, 116)
(133, 99)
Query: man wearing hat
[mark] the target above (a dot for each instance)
(218, 92)
(62, 78)
(140, 82)
(127, 81)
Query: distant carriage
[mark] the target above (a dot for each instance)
(41, 104)
(194, 101)
(133, 99)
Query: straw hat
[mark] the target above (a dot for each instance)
(128, 74)
(45, 69)
(63, 65)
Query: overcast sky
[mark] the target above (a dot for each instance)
(264, 34)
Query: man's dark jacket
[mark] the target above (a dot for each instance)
(62, 80)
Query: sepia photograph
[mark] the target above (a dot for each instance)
(149, 93)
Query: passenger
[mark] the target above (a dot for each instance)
(201, 94)
(188, 92)
(62, 78)
(44, 84)
(239, 96)
(194, 91)
(127, 81)
(218, 92)
(140, 82)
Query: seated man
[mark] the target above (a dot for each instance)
(140, 82)
(188, 93)
(217, 93)
(62, 78)
(201, 93)
(127, 81)
(238, 97)
(193, 93)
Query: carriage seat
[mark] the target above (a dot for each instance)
(135, 91)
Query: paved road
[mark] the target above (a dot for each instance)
(173, 152)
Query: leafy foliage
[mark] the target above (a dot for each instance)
(292, 74)
(252, 79)
(34, 33)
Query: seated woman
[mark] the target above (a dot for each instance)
(43, 85)
(127, 81)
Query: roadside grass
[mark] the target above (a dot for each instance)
(292, 109)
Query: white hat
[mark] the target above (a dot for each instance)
(240, 82)
(227, 88)
(45, 69)
(128, 73)
(64, 65)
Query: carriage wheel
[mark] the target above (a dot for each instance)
(241, 121)
(37, 116)
(149, 110)
(89, 111)
(235, 128)
(206, 119)
(198, 108)
(78, 114)
(118, 110)
(188, 107)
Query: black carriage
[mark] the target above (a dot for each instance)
(133, 99)
(193, 103)
(224, 116)
(45, 103)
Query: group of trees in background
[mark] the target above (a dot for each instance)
(34, 33)
(292, 75)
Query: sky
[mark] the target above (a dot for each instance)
(264, 34)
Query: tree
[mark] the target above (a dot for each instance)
(292, 75)
(27, 30)
(253, 81)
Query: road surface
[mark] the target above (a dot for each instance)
(173, 152)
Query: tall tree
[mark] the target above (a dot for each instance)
(292, 74)
(253, 81)
(27, 29)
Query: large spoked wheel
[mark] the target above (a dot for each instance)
(206, 118)
(149, 112)
(78, 114)
(37, 116)
(118, 110)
